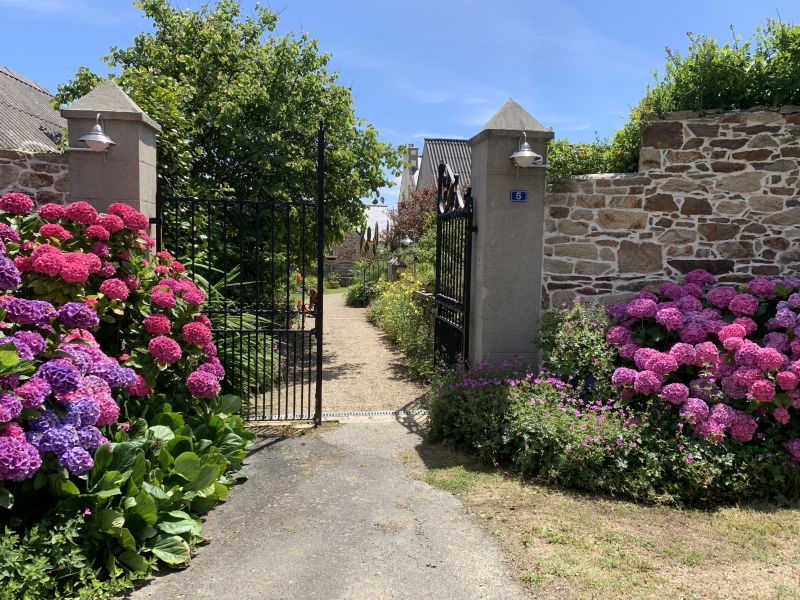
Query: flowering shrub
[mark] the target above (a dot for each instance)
(96, 336)
(724, 360)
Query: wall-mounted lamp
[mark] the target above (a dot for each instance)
(525, 156)
(96, 140)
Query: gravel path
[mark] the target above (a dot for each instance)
(361, 371)
(340, 514)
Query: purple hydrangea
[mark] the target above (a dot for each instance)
(9, 274)
(743, 427)
(62, 376)
(693, 290)
(10, 407)
(33, 392)
(786, 318)
(58, 440)
(695, 410)
(82, 411)
(761, 287)
(618, 310)
(641, 308)
(721, 296)
(693, 333)
(213, 366)
(700, 277)
(647, 382)
(113, 374)
(76, 460)
(689, 303)
(675, 393)
(794, 301)
(29, 312)
(732, 389)
(672, 291)
(46, 420)
(723, 414)
(618, 335)
(79, 357)
(747, 354)
(8, 234)
(628, 350)
(77, 314)
(623, 376)
(90, 438)
(18, 459)
(34, 340)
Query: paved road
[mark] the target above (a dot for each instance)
(339, 514)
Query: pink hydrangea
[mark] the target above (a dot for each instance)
(684, 354)
(675, 393)
(139, 387)
(54, 230)
(115, 289)
(162, 299)
(661, 363)
(109, 410)
(194, 297)
(706, 353)
(73, 271)
(49, 264)
(210, 350)
(203, 384)
(672, 290)
(723, 414)
(786, 380)
(781, 415)
(743, 427)
(158, 324)
(82, 212)
(52, 212)
(747, 376)
(749, 325)
(164, 350)
(670, 318)
(641, 308)
(97, 232)
(196, 333)
(203, 319)
(762, 390)
(647, 382)
(135, 220)
(793, 446)
(16, 203)
(693, 333)
(743, 304)
(618, 335)
(111, 223)
(761, 287)
(732, 330)
(709, 429)
(628, 350)
(770, 359)
(732, 344)
(643, 355)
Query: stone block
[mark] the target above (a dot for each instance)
(727, 166)
(643, 257)
(763, 154)
(786, 217)
(581, 214)
(714, 232)
(768, 204)
(730, 144)
(649, 158)
(715, 267)
(576, 250)
(570, 227)
(776, 243)
(736, 250)
(590, 201)
(683, 184)
(552, 265)
(588, 267)
(762, 140)
(663, 134)
(660, 202)
(743, 183)
(625, 202)
(704, 129)
(677, 236)
(731, 207)
(621, 219)
(8, 176)
(696, 206)
(36, 181)
(559, 212)
(781, 165)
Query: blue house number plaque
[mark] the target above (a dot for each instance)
(519, 195)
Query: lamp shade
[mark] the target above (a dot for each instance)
(97, 140)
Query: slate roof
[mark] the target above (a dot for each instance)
(454, 152)
(27, 121)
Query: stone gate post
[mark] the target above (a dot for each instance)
(506, 292)
(127, 171)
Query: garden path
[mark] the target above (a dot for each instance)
(340, 513)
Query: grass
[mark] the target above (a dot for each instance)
(570, 545)
(332, 291)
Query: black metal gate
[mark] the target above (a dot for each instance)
(454, 229)
(260, 262)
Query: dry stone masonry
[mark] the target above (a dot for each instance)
(43, 176)
(715, 191)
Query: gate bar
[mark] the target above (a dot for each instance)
(320, 266)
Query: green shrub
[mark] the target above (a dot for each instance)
(407, 321)
(573, 344)
(541, 426)
(359, 295)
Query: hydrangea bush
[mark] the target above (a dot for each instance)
(96, 335)
(724, 359)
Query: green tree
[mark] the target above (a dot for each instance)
(240, 109)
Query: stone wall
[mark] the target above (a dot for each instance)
(718, 191)
(44, 176)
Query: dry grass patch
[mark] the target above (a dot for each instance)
(569, 545)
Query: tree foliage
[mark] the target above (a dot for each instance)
(764, 71)
(410, 218)
(240, 109)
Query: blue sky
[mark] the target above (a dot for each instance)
(435, 68)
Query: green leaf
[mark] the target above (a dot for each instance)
(171, 549)
(230, 404)
(188, 465)
(126, 539)
(142, 514)
(9, 357)
(6, 497)
(161, 433)
(133, 561)
(206, 477)
(108, 519)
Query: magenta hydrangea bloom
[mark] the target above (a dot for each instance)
(721, 296)
(672, 290)
(693, 333)
(692, 289)
(781, 415)
(54, 230)
(761, 287)
(82, 212)
(670, 318)
(770, 359)
(743, 428)
(52, 212)
(159, 324)
(706, 353)
(647, 382)
(214, 366)
(10, 407)
(109, 410)
(661, 363)
(786, 380)
(709, 429)
(743, 304)
(700, 277)
(19, 460)
(114, 289)
(642, 355)
(723, 414)
(675, 393)
(623, 376)
(164, 350)
(202, 384)
(694, 410)
(33, 392)
(616, 335)
(762, 390)
(684, 354)
(16, 203)
(641, 308)
(732, 330)
(162, 299)
(196, 333)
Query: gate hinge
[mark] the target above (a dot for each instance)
(474, 229)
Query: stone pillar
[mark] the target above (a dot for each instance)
(507, 248)
(127, 171)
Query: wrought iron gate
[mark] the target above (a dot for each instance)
(260, 263)
(454, 229)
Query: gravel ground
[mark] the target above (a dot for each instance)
(339, 513)
(361, 371)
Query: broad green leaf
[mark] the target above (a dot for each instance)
(171, 549)
(126, 539)
(161, 433)
(188, 466)
(230, 404)
(206, 477)
(133, 561)
(6, 497)
(108, 519)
